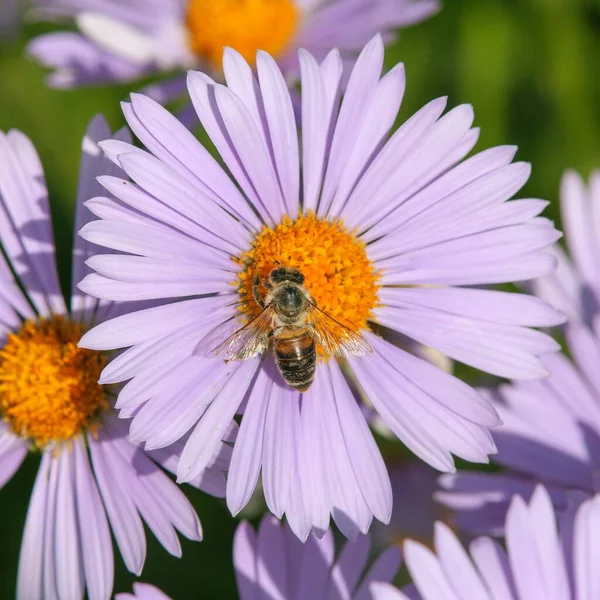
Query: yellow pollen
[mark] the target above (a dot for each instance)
(245, 25)
(338, 274)
(48, 386)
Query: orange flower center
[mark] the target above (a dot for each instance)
(48, 386)
(245, 25)
(338, 274)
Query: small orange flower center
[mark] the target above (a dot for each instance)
(48, 386)
(245, 25)
(338, 274)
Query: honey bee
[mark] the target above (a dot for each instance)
(292, 323)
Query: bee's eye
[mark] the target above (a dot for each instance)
(299, 277)
(278, 275)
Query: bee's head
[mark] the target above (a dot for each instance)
(284, 274)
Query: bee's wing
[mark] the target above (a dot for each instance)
(246, 342)
(335, 338)
(215, 336)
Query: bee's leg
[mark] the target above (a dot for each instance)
(267, 285)
(256, 292)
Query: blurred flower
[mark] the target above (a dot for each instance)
(51, 404)
(143, 591)
(539, 562)
(551, 431)
(415, 509)
(550, 434)
(10, 17)
(128, 40)
(273, 563)
(191, 235)
(574, 288)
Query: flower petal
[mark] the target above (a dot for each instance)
(534, 551)
(372, 131)
(348, 507)
(457, 564)
(173, 144)
(348, 568)
(503, 350)
(488, 305)
(492, 563)
(244, 561)
(272, 567)
(246, 460)
(370, 471)
(587, 550)
(93, 164)
(385, 568)
(427, 573)
(124, 518)
(13, 451)
(67, 551)
(385, 591)
(279, 113)
(203, 441)
(360, 90)
(31, 584)
(25, 223)
(94, 534)
(281, 426)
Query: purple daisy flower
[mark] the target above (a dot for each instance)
(415, 509)
(119, 41)
(574, 287)
(91, 479)
(383, 232)
(273, 563)
(541, 561)
(551, 431)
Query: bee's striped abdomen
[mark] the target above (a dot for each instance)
(296, 358)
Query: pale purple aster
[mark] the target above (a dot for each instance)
(542, 561)
(431, 223)
(272, 563)
(551, 431)
(124, 41)
(574, 287)
(96, 481)
(415, 509)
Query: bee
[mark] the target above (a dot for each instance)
(293, 325)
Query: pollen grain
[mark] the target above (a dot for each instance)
(48, 386)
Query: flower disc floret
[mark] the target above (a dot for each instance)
(48, 386)
(338, 273)
(246, 25)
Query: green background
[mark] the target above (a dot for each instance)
(530, 69)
